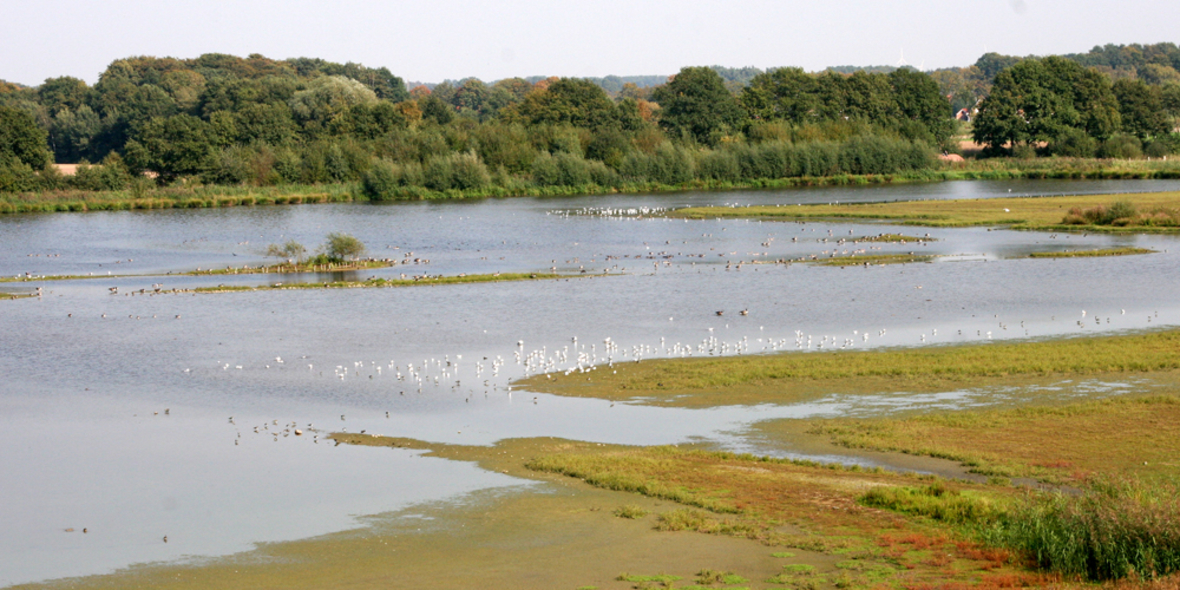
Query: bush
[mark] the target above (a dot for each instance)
(1074, 143)
(380, 183)
(1121, 145)
(343, 246)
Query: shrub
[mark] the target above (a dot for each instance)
(380, 183)
(1121, 145)
(1074, 143)
(343, 246)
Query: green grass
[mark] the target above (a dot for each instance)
(934, 501)
(893, 238)
(285, 268)
(874, 260)
(1092, 253)
(201, 197)
(236, 270)
(387, 283)
(211, 196)
(1113, 529)
(798, 375)
(630, 511)
(1030, 213)
(1131, 436)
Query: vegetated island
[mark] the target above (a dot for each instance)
(793, 376)
(374, 283)
(1132, 213)
(873, 259)
(281, 268)
(1127, 251)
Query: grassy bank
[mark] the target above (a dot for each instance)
(210, 196)
(1092, 253)
(203, 197)
(388, 283)
(1031, 213)
(1131, 436)
(236, 270)
(792, 376)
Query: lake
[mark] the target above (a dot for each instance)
(143, 416)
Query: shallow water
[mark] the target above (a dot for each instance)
(122, 424)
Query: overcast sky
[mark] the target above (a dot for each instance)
(426, 40)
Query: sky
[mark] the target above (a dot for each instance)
(424, 40)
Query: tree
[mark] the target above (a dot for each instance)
(919, 99)
(21, 140)
(787, 94)
(293, 251)
(327, 98)
(174, 146)
(696, 104)
(570, 101)
(1141, 108)
(65, 92)
(343, 246)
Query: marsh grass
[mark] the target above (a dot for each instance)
(893, 238)
(934, 501)
(1092, 253)
(1115, 528)
(1030, 213)
(390, 283)
(874, 260)
(295, 268)
(1130, 435)
(630, 511)
(791, 376)
(199, 197)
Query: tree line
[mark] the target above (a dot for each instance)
(221, 119)
(229, 120)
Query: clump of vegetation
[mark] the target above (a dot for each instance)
(708, 577)
(1122, 214)
(1118, 213)
(292, 251)
(1092, 253)
(875, 259)
(340, 247)
(934, 501)
(630, 511)
(1113, 529)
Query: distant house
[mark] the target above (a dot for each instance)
(963, 115)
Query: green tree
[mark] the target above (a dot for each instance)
(292, 251)
(174, 146)
(919, 100)
(63, 93)
(696, 104)
(22, 141)
(1141, 108)
(570, 101)
(341, 246)
(787, 94)
(326, 98)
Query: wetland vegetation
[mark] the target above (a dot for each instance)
(1127, 251)
(1025, 213)
(377, 283)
